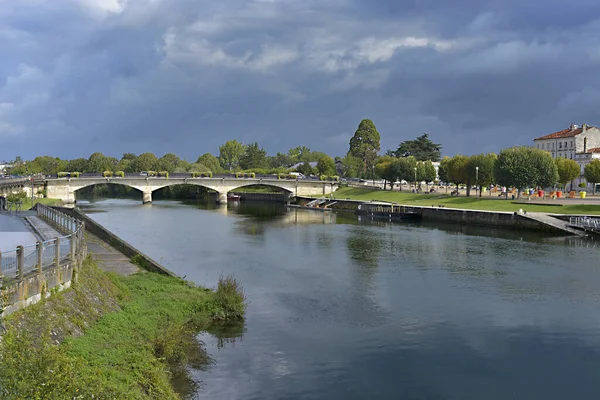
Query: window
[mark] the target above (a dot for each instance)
(552, 146)
(571, 144)
(560, 145)
(565, 145)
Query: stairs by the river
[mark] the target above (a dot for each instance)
(552, 221)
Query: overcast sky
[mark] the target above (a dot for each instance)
(183, 76)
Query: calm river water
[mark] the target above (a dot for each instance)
(345, 310)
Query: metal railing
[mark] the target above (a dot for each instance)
(585, 222)
(43, 255)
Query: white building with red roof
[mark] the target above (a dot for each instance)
(581, 144)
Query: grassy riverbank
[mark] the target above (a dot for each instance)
(470, 203)
(27, 204)
(121, 337)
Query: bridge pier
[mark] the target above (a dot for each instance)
(147, 196)
(222, 197)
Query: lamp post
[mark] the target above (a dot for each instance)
(415, 179)
(373, 173)
(477, 181)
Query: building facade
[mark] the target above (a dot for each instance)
(578, 143)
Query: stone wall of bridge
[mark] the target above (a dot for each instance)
(65, 189)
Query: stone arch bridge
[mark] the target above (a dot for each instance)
(65, 188)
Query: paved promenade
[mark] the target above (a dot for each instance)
(108, 258)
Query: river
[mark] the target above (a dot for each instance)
(345, 310)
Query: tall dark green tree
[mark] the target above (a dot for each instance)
(422, 149)
(404, 169)
(365, 144)
(254, 157)
(98, 162)
(168, 162)
(77, 165)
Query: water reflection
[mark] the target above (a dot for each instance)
(345, 309)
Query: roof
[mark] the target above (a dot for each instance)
(594, 150)
(565, 133)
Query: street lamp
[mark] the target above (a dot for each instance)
(415, 179)
(373, 173)
(477, 181)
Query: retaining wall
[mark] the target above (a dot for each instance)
(119, 244)
(35, 287)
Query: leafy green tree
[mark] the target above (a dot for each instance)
(46, 165)
(384, 169)
(129, 156)
(168, 162)
(567, 171)
(77, 165)
(422, 149)
(199, 168)
(98, 162)
(430, 175)
(457, 170)
(592, 173)
(210, 162)
(230, 154)
(144, 162)
(281, 160)
(484, 176)
(254, 157)
(365, 144)
(404, 169)
(299, 154)
(521, 167)
(351, 167)
(326, 166)
(306, 169)
(443, 170)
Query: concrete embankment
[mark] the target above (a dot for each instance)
(116, 242)
(495, 219)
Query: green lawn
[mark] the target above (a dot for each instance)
(49, 202)
(471, 203)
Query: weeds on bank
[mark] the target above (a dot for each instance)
(129, 354)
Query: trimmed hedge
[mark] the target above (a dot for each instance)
(329, 178)
(63, 174)
(151, 173)
(202, 174)
(120, 174)
(107, 174)
(164, 174)
(286, 176)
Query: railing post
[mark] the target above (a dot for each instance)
(73, 247)
(39, 247)
(57, 252)
(20, 261)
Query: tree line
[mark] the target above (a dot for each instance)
(412, 160)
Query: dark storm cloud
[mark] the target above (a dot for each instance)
(184, 76)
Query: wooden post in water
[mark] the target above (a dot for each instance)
(56, 252)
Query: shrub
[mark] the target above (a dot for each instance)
(195, 174)
(63, 174)
(75, 174)
(250, 175)
(238, 174)
(582, 185)
(164, 174)
(120, 174)
(107, 174)
(323, 178)
(230, 298)
(151, 173)
(207, 174)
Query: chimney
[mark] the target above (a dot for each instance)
(584, 127)
(572, 126)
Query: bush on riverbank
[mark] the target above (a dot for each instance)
(128, 354)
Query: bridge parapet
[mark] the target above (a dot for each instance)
(65, 188)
